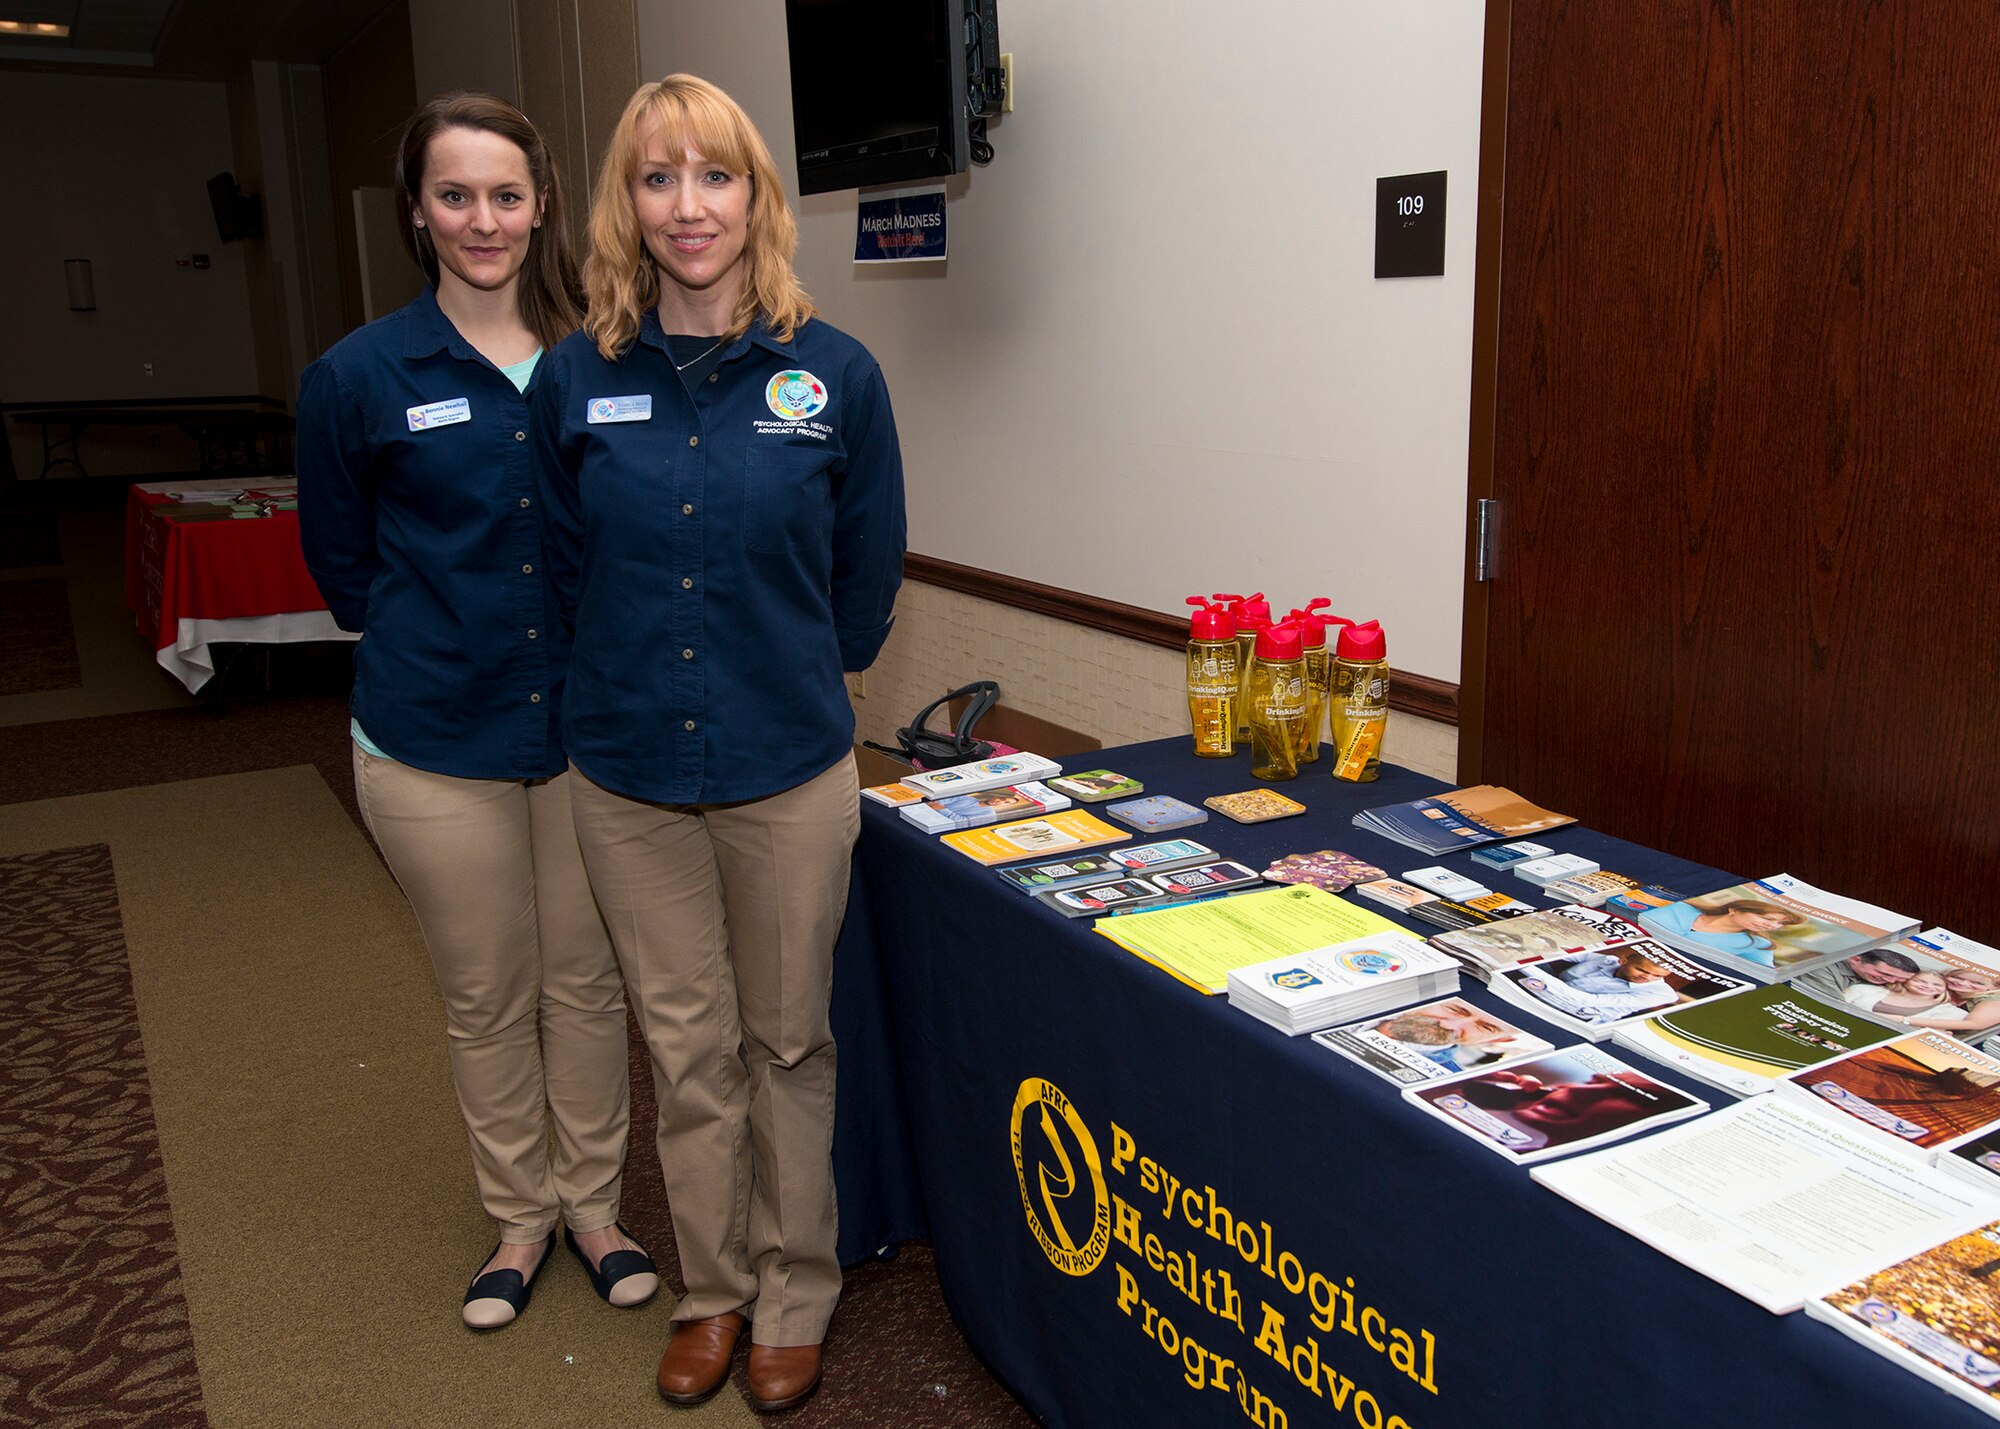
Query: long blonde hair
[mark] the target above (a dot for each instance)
(620, 275)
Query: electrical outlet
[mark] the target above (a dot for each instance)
(857, 684)
(1007, 69)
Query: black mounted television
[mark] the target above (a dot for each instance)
(878, 91)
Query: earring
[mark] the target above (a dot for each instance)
(420, 223)
(538, 223)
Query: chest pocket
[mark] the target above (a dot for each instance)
(787, 499)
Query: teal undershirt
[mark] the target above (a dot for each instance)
(518, 374)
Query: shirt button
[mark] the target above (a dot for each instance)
(687, 510)
(694, 441)
(527, 570)
(689, 726)
(713, 375)
(534, 699)
(534, 634)
(525, 503)
(687, 582)
(687, 654)
(520, 436)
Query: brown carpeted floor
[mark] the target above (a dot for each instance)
(307, 1192)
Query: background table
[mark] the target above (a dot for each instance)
(193, 580)
(1528, 1311)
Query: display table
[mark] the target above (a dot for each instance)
(195, 578)
(1140, 1196)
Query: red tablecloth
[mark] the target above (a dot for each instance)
(181, 562)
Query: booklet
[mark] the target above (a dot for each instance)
(1554, 1104)
(1771, 1200)
(1548, 933)
(1934, 979)
(1936, 1313)
(1200, 942)
(1025, 838)
(1775, 927)
(1432, 1042)
(1592, 994)
(1925, 1089)
(1306, 991)
(894, 795)
(1744, 1042)
(1484, 813)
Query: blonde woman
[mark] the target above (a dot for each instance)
(724, 495)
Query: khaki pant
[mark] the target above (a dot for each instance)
(534, 1009)
(724, 918)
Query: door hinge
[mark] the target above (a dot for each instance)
(1486, 532)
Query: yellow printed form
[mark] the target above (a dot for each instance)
(1200, 943)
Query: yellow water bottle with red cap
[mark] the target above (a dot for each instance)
(1253, 613)
(1277, 703)
(1360, 706)
(1212, 683)
(1319, 669)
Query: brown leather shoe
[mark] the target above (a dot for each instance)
(696, 1361)
(782, 1376)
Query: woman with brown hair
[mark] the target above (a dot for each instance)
(420, 524)
(725, 529)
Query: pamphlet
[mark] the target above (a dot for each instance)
(1774, 928)
(1072, 829)
(989, 806)
(1591, 994)
(982, 774)
(1302, 992)
(1531, 937)
(1484, 813)
(1745, 1041)
(1926, 1089)
(1934, 979)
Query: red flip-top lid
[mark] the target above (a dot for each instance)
(1363, 643)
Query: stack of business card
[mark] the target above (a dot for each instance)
(1359, 978)
(1157, 813)
(1094, 786)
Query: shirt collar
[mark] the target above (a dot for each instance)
(653, 335)
(428, 331)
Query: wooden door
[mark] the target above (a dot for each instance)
(1745, 437)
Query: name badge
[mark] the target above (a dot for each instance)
(439, 414)
(619, 409)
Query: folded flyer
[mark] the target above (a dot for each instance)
(1532, 937)
(1932, 980)
(982, 774)
(1926, 1089)
(989, 806)
(1071, 829)
(1302, 992)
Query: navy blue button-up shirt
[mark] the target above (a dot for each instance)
(723, 556)
(422, 526)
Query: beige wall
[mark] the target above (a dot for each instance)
(577, 65)
(370, 93)
(464, 44)
(1104, 685)
(1159, 320)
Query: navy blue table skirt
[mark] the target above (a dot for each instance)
(1149, 1209)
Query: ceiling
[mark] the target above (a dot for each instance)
(183, 39)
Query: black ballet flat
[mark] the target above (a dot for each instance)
(623, 1278)
(498, 1297)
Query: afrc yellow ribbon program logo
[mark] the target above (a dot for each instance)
(1053, 1177)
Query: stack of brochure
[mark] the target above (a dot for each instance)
(1745, 1042)
(989, 806)
(1772, 1200)
(1925, 1090)
(1568, 1100)
(1482, 814)
(1591, 994)
(1429, 1043)
(1936, 1314)
(1358, 978)
(1933, 979)
(1774, 928)
(992, 773)
(1532, 937)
